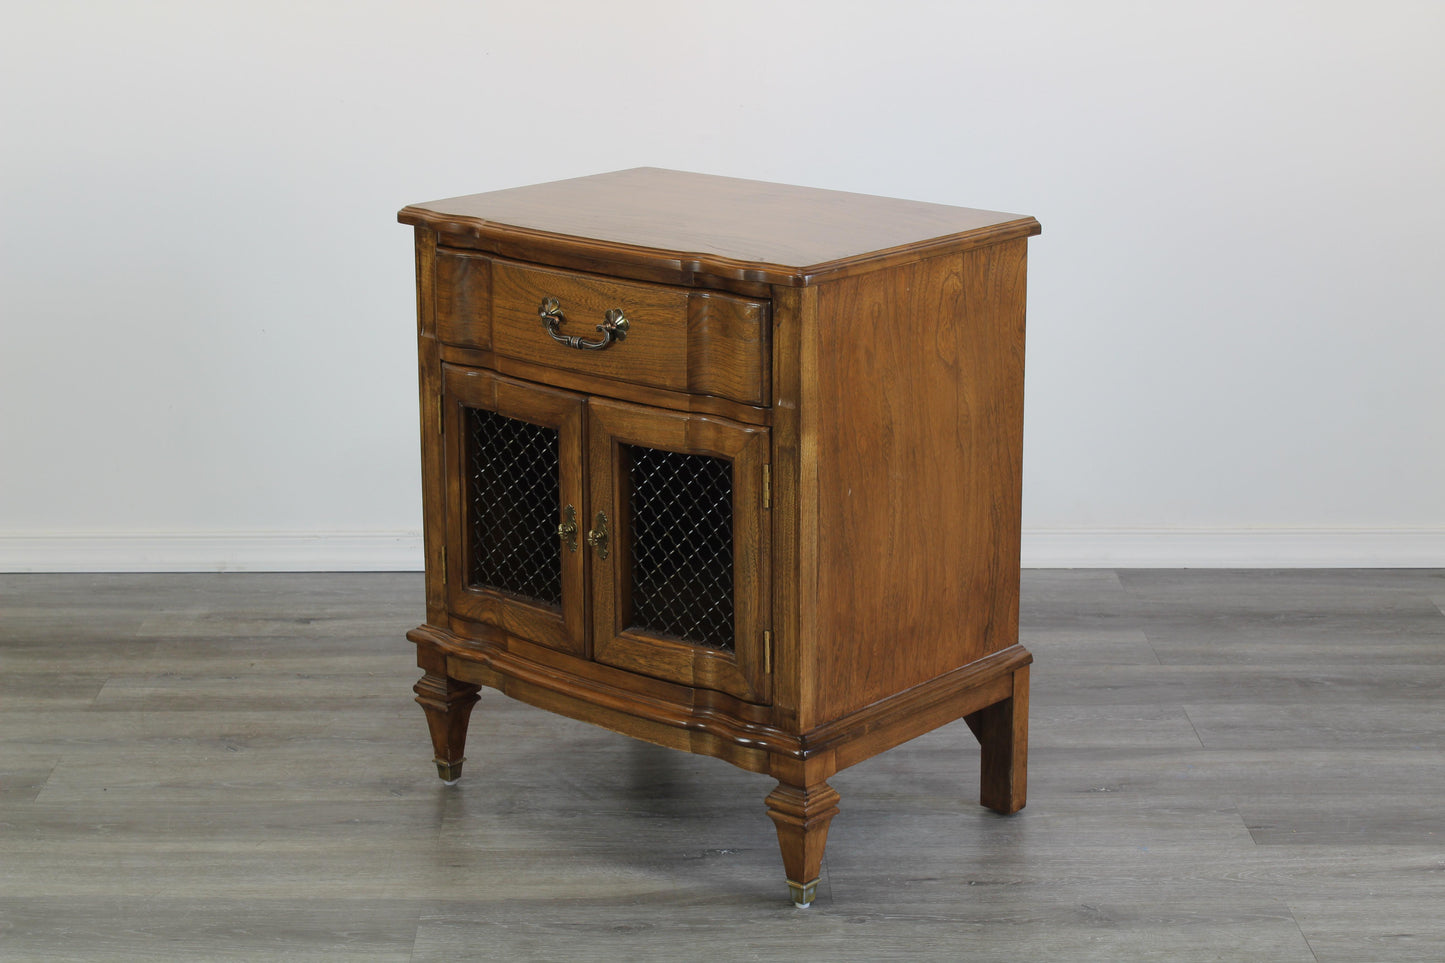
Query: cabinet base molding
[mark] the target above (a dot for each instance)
(696, 722)
(991, 695)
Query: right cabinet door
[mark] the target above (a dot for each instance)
(680, 547)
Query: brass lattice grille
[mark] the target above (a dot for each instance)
(512, 503)
(682, 545)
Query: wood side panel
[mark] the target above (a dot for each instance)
(810, 643)
(920, 406)
(464, 299)
(433, 479)
(787, 678)
(425, 246)
(429, 381)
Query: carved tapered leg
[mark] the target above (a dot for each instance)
(1003, 733)
(802, 816)
(448, 705)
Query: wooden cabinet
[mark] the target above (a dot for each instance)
(728, 466)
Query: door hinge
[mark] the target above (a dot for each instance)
(768, 486)
(767, 651)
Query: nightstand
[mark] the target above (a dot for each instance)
(729, 466)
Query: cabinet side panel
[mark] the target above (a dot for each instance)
(793, 571)
(429, 380)
(920, 431)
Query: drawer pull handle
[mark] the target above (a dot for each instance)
(567, 531)
(613, 327)
(597, 537)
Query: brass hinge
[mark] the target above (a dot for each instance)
(768, 486)
(444, 561)
(767, 651)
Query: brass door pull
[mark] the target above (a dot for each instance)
(567, 531)
(613, 327)
(597, 537)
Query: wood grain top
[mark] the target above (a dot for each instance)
(721, 226)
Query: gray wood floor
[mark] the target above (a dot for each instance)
(1225, 765)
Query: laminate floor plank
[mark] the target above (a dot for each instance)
(1166, 774)
(1366, 928)
(714, 928)
(51, 689)
(162, 731)
(236, 688)
(1102, 727)
(1057, 647)
(1342, 650)
(1095, 684)
(22, 776)
(1223, 766)
(142, 926)
(1338, 818)
(36, 654)
(1409, 726)
(1276, 590)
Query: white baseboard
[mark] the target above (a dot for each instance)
(1235, 548)
(402, 551)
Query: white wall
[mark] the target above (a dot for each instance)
(206, 347)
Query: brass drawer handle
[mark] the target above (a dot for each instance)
(597, 538)
(567, 531)
(613, 327)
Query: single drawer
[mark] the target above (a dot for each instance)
(681, 339)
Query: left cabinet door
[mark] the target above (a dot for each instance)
(514, 507)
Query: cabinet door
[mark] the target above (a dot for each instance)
(514, 481)
(677, 509)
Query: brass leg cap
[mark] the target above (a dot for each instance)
(803, 893)
(450, 771)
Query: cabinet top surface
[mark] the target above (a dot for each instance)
(719, 225)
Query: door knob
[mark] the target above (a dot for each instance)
(567, 531)
(597, 537)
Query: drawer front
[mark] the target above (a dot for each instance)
(680, 339)
(463, 299)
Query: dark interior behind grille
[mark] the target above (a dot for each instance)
(682, 545)
(512, 501)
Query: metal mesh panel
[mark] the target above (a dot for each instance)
(513, 494)
(682, 545)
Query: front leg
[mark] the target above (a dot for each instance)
(448, 705)
(1003, 733)
(803, 814)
